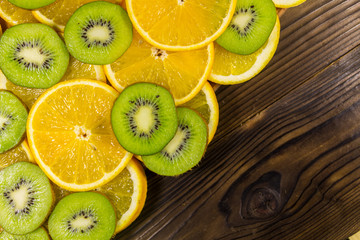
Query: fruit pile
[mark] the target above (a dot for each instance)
(97, 84)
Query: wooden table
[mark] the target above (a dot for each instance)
(285, 161)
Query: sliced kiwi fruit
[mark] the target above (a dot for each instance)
(33, 55)
(85, 215)
(38, 234)
(250, 26)
(26, 198)
(144, 118)
(13, 116)
(185, 150)
(31, 4)
(98, 33)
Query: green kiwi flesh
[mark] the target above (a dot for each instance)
(38, 234)
(98, 33)
(13, 116)
(26, 198)
(85, 215)
(250, 26)
(185, 150)
(144, 118)
(31, 4)
(33, 55)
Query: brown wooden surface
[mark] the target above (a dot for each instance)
(285, 162)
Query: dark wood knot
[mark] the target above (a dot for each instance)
(261, 203)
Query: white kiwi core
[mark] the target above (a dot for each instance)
(144, 118)
(32, 55)
(242, 19)
(20, 197)
(174, 144)
(99, 33)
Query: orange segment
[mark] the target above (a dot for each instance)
(56, 15)
(177, 25)
(287, 3)
(69, 132)
(14, 15)
(20, 153)
(182, 73)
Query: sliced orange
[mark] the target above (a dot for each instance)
(14, 15)
(231, 68)
(178, 25)
(287, 3)
(56, 15)
(70, 135)
(182, 73)
(127, 192)
(206, 104)
(20, 153)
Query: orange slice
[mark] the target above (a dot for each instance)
(231, 68)
(56, 15)
(14, 15)
(70, 135)
(287, 3)
(182, 73)
(179, 25)
(20, 153)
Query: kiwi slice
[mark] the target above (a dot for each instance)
(38, 234)
(26, 198)
(250, 26)
(31, 4)
(185, 150)
(86, 215)
(144, 118)
(33, 55)
(98, 33)
(13, 116)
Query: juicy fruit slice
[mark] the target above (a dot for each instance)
(182, 73)
(144, 118)
(250, 26)
(206, 104)
(25, 198)
(86, 215)
(58, 14)
(185, 150)
(33, 4)
(14, 15)
(20, 153)
(38, 234)
(33, 55)
(98, 33)
(180, 25)
(13, 116)
(287, 3)
(230, 68)
(70, 134)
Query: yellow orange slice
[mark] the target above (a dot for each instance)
(182, 73)
(70, 135)
(231, 68)
(20, 153)
(56, 15)
(178, 25)
(287, 3)
(14, 15)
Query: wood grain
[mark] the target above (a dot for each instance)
(285, 162)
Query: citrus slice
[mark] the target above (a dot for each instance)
(127, 192)
(206, 104)
(287, 3)
(70, 135)
(182, 73)
(14, 15)
(20, 153)
(76, 70)
(230, 68)
(178, 25)
(56, 15)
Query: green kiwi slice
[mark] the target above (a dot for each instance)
(38, 234)
(33, 55)
(86, 215)
(144, 118)
(26, 198)
(31, 4)
(250, 26)
(13, 116)
(98, 33)
(185, 150)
